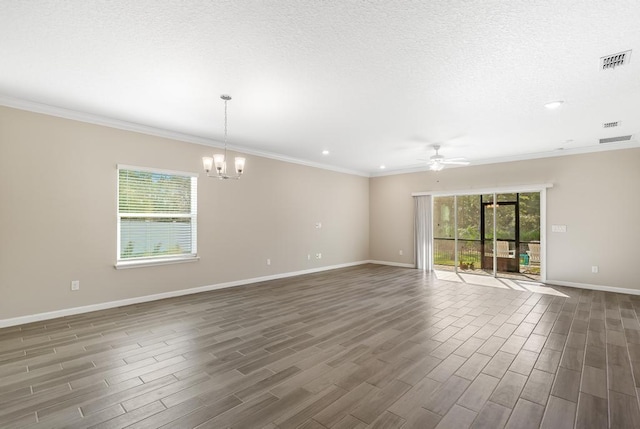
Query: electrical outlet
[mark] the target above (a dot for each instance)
(309, 257)
(318, 225)
(558, 228)
(400, 252)
(268, 261)
(594, 269)
(75, 284)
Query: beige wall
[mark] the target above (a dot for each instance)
(58, 216)
(595, 195)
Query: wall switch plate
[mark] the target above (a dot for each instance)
(318, 225)
(309, 257)
(268, 261)
(318, 255)
(75, 285)
(400, 252)
(594, 269)
(558, 228)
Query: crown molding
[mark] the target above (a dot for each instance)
(47, 109)
(60, 112)
(631, 144)
(284, 158)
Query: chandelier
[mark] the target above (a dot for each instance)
(219, 160)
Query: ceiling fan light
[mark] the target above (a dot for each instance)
(436, 166)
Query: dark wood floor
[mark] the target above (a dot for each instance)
(369, 346)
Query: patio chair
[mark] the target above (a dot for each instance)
(534, 253)
(503, 250)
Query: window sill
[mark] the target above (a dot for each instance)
(122, 265)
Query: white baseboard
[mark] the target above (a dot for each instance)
(600, 288)
(21, 320)
(393, 264)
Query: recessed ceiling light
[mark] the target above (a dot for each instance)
(554, 104)
(325, 152)
(382, 167)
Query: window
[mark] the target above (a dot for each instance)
(157, 216)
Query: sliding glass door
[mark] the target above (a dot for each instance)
(495, 234)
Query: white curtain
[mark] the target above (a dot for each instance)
(423, 232)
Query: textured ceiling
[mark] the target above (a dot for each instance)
(373, 82)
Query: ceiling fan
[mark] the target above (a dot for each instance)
(437, 161)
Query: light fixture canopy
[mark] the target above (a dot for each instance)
(219, 160)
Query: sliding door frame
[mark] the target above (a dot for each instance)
(542, 188)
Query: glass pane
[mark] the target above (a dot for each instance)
(146, 192)
(530, 216)
(529, 253)
(469, 217)
(469, 246)
(507, 197)
(443, 231)
(150, 237)
(506, 222)
(487, 249)
(469, 254)
(488, 222)
(443, 217)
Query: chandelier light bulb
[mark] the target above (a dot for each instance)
(207, 163)
(239, 165)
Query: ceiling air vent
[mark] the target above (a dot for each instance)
(615, 60)
(611, 124)
(615, 139)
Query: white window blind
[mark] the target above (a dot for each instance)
(157, 216)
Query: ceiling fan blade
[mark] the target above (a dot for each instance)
(454, 162)
(455, 159)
